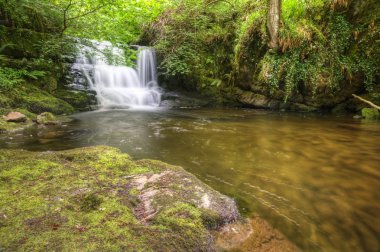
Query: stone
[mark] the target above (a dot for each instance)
(15, 117)
(158, 191)
(46, 118)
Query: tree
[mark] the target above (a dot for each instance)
(73, 10)
(273, 22)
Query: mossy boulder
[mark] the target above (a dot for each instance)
(38, 101)
(80, 100)
(97, 199)
(370, 113)
(33, 99)
(47, 119)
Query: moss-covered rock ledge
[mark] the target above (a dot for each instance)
(98, 199)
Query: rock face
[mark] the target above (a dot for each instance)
(260, 101)
(15, 117)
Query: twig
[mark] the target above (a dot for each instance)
(366, 101)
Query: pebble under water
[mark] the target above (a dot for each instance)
(316, 178)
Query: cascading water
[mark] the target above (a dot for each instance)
(117, 85)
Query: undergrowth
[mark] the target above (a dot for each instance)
(325, 47)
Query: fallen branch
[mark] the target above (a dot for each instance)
(366, 101)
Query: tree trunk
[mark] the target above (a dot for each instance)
(273, 22)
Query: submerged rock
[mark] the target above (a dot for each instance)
(15, 117)
(252, 235)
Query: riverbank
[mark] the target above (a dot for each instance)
(97, 198)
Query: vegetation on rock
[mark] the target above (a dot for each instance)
(85, 199)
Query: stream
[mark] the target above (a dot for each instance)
(316, 178)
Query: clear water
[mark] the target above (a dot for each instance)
(315, 178)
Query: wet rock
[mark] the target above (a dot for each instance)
(15, 117)
(46, 118)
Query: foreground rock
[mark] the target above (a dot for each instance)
(98, 199)
(15, 117)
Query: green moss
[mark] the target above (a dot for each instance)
(46, 118)
(370, 113)
(34, 100)
(49, 84)
(77, 200)
(211, 219)
(38, 101)
(81, 100)
(11, 126)
(90, 203)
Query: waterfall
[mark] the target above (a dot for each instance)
(116, 85)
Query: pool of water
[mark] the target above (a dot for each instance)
(316, 178)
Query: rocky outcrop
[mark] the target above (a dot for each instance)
(256, 100)
(99, 199)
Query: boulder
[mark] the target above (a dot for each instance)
(46, 118)
(15, 117)
(156, 192)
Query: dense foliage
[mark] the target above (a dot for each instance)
(38, 40)
(41, 32)
(325, 47)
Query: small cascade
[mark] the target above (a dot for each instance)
(119, 86)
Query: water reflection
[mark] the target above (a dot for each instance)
(315, 178)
